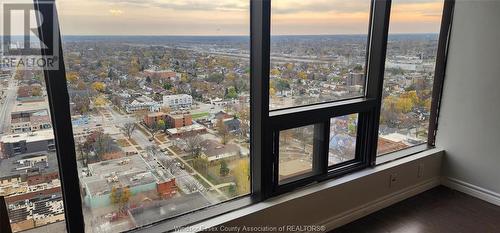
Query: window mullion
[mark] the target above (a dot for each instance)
(261, 135)
(61, 119)
(375, 72)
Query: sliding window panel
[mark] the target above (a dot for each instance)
(298, 153)
(342, 139)
(318, 51)
(160, 107)
(409, 74)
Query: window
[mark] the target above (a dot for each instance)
(409, 74)
(296, 150)
(161, 123)
(173, 112)
(29, 171)
(342, 143)
(317, 55)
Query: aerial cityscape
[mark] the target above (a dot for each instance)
(161, 124)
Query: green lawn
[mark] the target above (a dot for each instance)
(199, 115)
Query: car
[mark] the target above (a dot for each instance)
(98, 125)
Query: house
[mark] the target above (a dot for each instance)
(214, 150)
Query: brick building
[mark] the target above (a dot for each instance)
(178, 120)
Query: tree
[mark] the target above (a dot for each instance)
(193, 145)
(231, 93)
(302, 75)
(128, 129)
(244, 117)
(216, 78)
(72, 77)
(81, 104)
(135, 66)
(98, 86)
(282, 85)
(200, 163)
(241, 174)
(99, 101)
(224, 170)
(222, 131)
(100, 143)
(120, 196)
(404, 105)
(161, 124)
(36, 91)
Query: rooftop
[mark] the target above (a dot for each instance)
(97, 186)
(10, 167)
(29, 137)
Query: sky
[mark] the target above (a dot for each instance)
(231, 17)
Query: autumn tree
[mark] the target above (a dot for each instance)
(222, 131)
(72, 77)
(161, 124)
(134, 67)
(36, 91)
(99, 101)
(120, 196)
(241, 173)
(244, 117)
(98, 86)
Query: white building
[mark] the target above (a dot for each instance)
(178, 101)
(151, 106)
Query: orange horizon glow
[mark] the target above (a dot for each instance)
(231, 17)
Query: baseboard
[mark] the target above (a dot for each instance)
(473, 190)
(378, 204)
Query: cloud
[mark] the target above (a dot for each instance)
(190, 5)
(319, 6)
(115, 12)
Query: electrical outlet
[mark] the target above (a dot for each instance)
(420, 172)
(393, 179)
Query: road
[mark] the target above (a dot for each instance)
(7, 105)
(143, 141)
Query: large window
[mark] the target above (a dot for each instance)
(29, 170)
(317, 55)
(168, 112)
(409, 74)
(161, 123)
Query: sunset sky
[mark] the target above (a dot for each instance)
(231, 17)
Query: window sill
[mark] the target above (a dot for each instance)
(403, 157)
(389, 157)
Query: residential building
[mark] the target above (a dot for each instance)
(178, 120)
(178, 101)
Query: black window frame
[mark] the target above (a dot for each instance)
(265, 124)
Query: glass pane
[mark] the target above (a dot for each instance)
(318, 51)
(29, 173)
(161, 123)
(343, 132)
(295, 153)
(409, 74)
